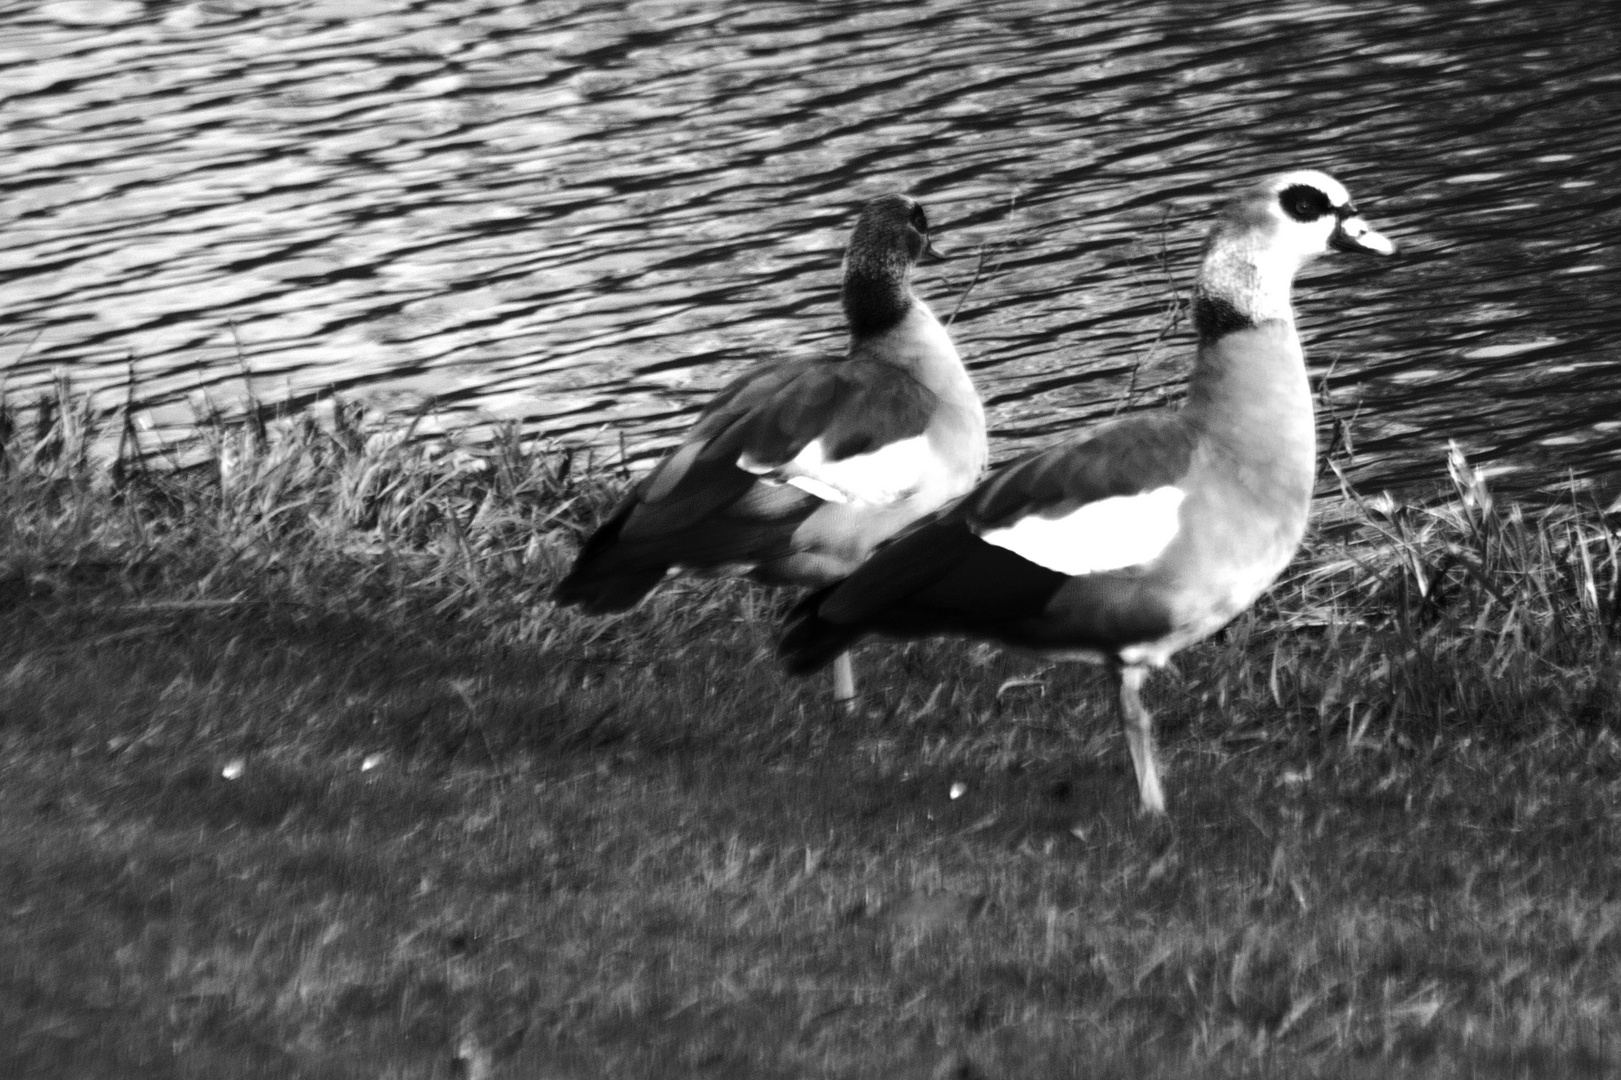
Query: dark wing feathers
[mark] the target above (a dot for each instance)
(918, 556)
(942, 566)
(937, 577)
(601, 580)
(852, 407)
(810, 642)
(1127, 457)
(940, 577)
(886, 406)
(716, 514)
(697, 508)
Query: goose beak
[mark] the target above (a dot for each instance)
(1354, 234)
(932, 253)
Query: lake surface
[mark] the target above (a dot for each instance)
(587, 216)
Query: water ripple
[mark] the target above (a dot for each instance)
(586, 216)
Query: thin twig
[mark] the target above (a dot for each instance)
(962, 298)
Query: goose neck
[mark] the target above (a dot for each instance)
(1241, 285)
(877, 292)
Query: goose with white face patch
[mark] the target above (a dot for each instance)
(1151, 532)
(795, 472)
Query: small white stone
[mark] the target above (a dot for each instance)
(370, 762)
(959, 789)
(234, 768)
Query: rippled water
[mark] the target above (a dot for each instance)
(589, 215)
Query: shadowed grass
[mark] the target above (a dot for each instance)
(301, 775)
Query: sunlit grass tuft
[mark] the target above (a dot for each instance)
(1458, 618)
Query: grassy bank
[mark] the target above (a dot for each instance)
(301, 775)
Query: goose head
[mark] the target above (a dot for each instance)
(890, 238)
(1267, 233)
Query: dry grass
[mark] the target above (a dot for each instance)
(300, 775)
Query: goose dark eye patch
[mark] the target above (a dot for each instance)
(1304, 202)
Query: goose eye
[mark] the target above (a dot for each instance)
(1304, 202)
(918, 221)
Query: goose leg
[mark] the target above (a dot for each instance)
(1138, 724)
(844, 682)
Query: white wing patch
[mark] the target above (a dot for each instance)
(1125, 530)
(886, 475)
(825, 492)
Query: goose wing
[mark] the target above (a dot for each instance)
(1047, 550)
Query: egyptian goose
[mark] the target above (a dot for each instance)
(795, 472)
(1150, 532)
